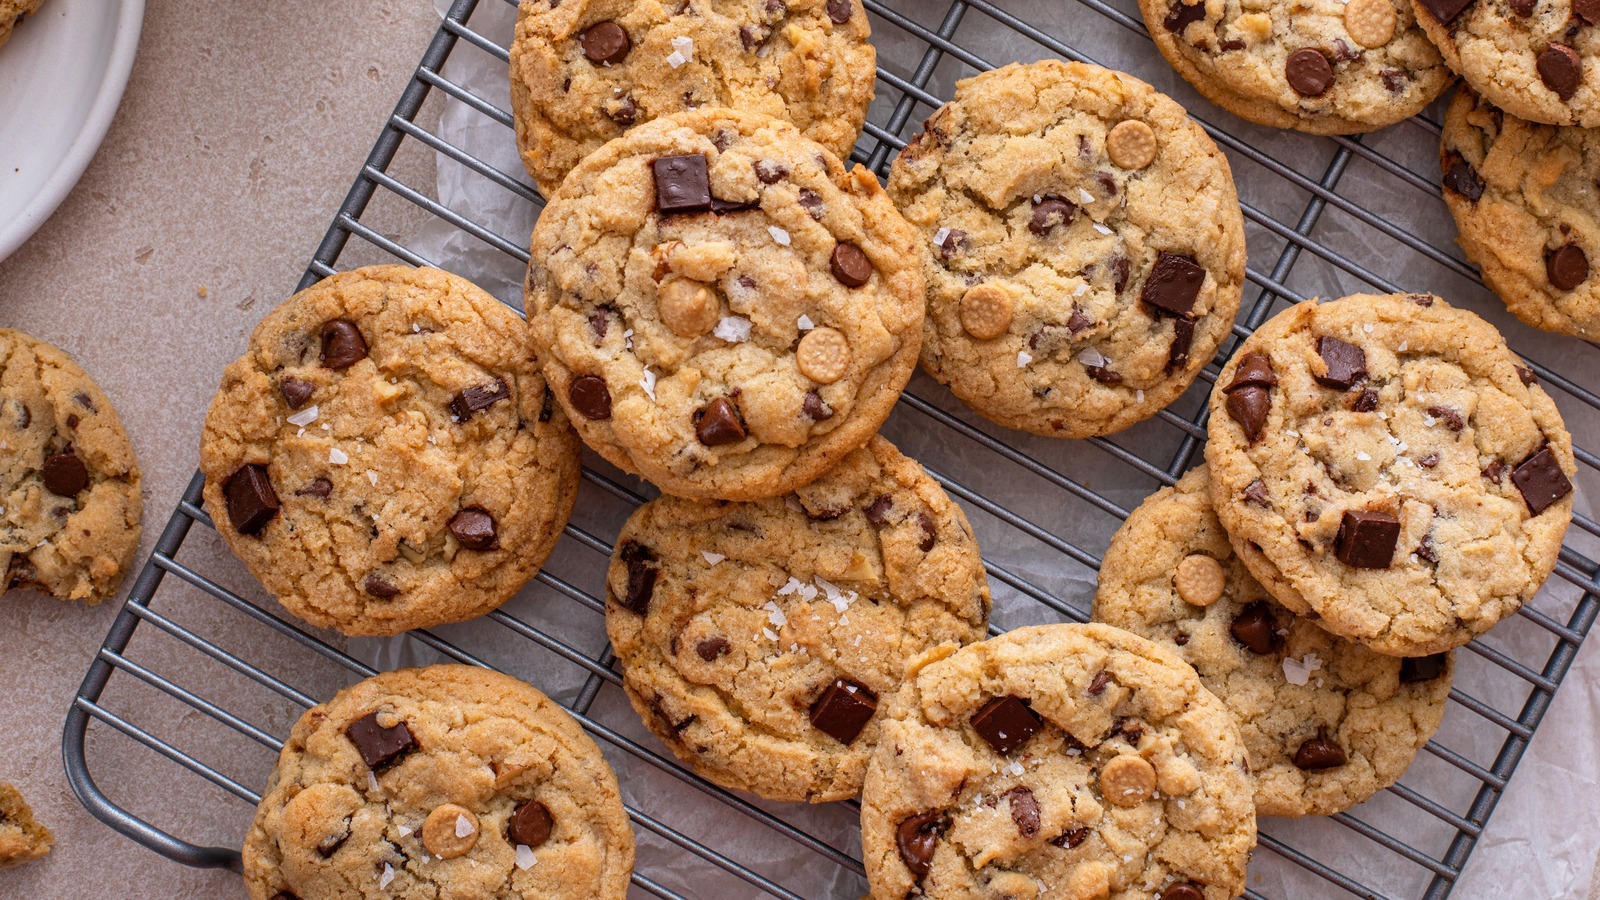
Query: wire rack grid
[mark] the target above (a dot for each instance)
(1346, 195)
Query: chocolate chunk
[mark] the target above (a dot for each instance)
(1120, 269)
(955, 240)
(1321, 752)
(478, 398)
(1343, 52)
(770, 172)
(474, 529)
(1097, 684)
(65, 475)
(1494, 470)
(1183, 890)
(600, 322)
(1540, 480)
(878, 512)
(1077, 321)
(724, 207)
(590, 397)
(1524, 8)
(380, 587)
(1230, 45)
(319, 487)
(1173, 285)
(1181, 14)
(1050, 211)
(816, 408)
(1426, 550)
(1249, 407)
(916, 837)
(1255, 368)
(1394, 80)
(843, 710)
(1366, 539)
(1182, 340)
(930, 532)
(1560, 69)
(1462, 178)
(1527, 376)
(642, 574)
(849, 265)
(342, 344)
(379, 747)
(1308, 72)
(1024, 810)
(1587, 10)
(751, 37)
(1567, 266)
(531, 825)
(683, 184)
(1422, 668)
(1446, 10)
(1070, 838)
(1104, 375)
(839, 11)
(1429, 461)
(1256, 492)
(1366, 401)
(711, 649)
(717, 424)
(624, 113)
(1256, 628)
(295, 392)
(1347, 363)
(1450, 417)
(605, 42)
(811, 202)
(251, 500)
(1006, 723)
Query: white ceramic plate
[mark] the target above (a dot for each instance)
(61, 78)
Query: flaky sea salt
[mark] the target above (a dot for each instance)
(804, 323)
(337, 457)
(940, 236)
(648, 382)
(1101, 228)
(1138, 395)
(790, 586)
(1298, 671)
(305, 416)
(1084, 196)
(682, 51)
(627, 339)
(712, 558)
(778, 234)
(372, 477)
(402, 830)
(1023, 358)
(1363, 455)
(387, 878)
(1367, 328)
(769, 634)
(372, 782)
(733, 329)
(464, 826)
(1081, 289)
(1092, 358)
(775, 615)
(525, 857)
(1013, 768)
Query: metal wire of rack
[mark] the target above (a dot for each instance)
(1414, 840)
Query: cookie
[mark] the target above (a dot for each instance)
(1326, 67)
(1083, 246)
(1074, 761)
(70, 498)
(1528, 57)
(1522, 197)
(448, 781)
(1327, 723)
(385, 455)
(721, 307)
(757, 639)
(1386, 463)
(585, 71)
(12, 12)
(22, 838)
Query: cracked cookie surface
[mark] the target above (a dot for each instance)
(70, 501)
(1170, 575)
(585, 71)
(442, 782)
(385, 455)
(1387, 464)
(1083, 246)
(1074, 761)
(757, 639)
(721, 307)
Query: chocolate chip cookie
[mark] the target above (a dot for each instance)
(1387, 464)
(1076, 761)
(721, 307)
(448, 781)
(22, 838)
(12, 12)
(1327, 722)
(758, 639)
(585, 71)
(1528, 57)
(1083, 246)
(385, 456)
(70, 498)
(1325, 67)
(1523, 198)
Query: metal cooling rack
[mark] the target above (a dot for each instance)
(1350, 195)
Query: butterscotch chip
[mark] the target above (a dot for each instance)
(823, 355)
(1131, 144)
(1128, 780)
(986, 310)
(1199, 580)
(450, 831)
(687, 308)
(1370, 22)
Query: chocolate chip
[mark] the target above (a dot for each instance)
(1249, 407)
(1446, 10)
(1540, 480)
(1394, 80)
(65, 475)
(839, 11)
(1343, 52)
(1449, 416)
(590, 397)
(1527, 376)
(380, 587)
(72, 420)
(1462, 178)
(1567, 266)
(916, 837)
(642, 574)
(600, 323)
(624, 113)
(1181, 639)
(930, 532)
(251, 500)
(712, 648)
(1366, 401)
(1048, 212)
(816, 408)
(1256, 492)
(1256, 628)
(1321, 752)
(1173, 285)
(1495, 470)
(1120, 269)
(1097, 685)
(1523, 8)
(878, 512)
(1077, 321)
(717, 424)
(1560, 69)
(1426, 550)
(1182, 340)
(1183, 890)
(478, 398)
(683, 184)
(843, 710)
(1255, 368)
(531, 825)
(1587, 10)
(342, 344)
(474, 529)
(1429, 461)
(811, 202)
(751, 38)
(319, 487)
(770, 172)
(1006, 723)
(1366, 539)
(1422, 668)
(605, 42)
(1346, 363)
(954, 241)
(1024, 810)
(1104, 375)
(295, 392)
(1230, 45)
(1070, 838)
(1308, 72)
(724, 207)
(379, 746)
(849, 265)
(1181, 14)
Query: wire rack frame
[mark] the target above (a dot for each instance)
(1453, 825)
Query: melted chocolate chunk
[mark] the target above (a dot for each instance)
(930, 532)
(878, 512)
(590, 397)
(1540, 480)
(1121, 267)
(1104, 375)
(1321, 752)
(474, 529)
(1422, 668)
(605, 43)
(712, 649)
(1446, 10)
(319, 488)
(1256, 493)
(1366, 539)
(770, 172)
(1249, 407)
(1182, 14)
(624, 113)
(839, 11)
(717, 424)
(1366, 401)
(1561, 69)
(1587, 10)
(843, 710)
(811, 202)
(916, 838)
(1255, 368)
(1183, 890)
(816, 408)
(1495, 470)
(849, 265)
(531, 825)
(683, 184)
(1527, 376)
(380, 747)
(251, 500)
(1097, 684)
(1182, 340)
(65, 475)
(642, 574)
(1395, 81)
(380, 587)
(1308, 71)
(1024, 810)
(1256, 628)
(1462, 178)
(295, 392)
(342, 344)
(1070, 838)
(1050, 211)
(1523, 8)
(1451, 419)
(1347, 363)
(478, 398)
(1006, 723)
(1173, 285)
(1567, 266)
